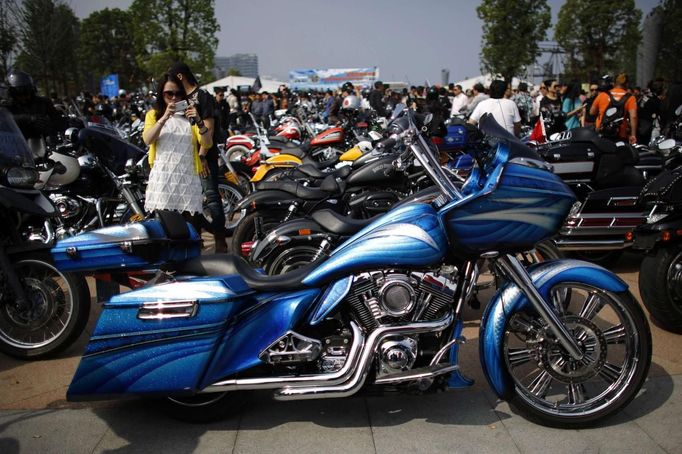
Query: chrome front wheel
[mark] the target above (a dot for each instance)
(555, 389)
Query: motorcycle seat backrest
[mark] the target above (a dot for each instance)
(173, 224)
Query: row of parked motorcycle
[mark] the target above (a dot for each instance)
(373, 212)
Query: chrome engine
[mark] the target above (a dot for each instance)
(392, 298)
(385, 298)
(67, 207)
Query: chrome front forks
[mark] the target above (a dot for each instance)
(515, 271)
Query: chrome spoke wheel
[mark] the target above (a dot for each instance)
(611, 337)
(48, 311)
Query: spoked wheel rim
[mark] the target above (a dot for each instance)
(552, 382)
(674, 281)
(292, 259)
(49, 310)
(230, 196)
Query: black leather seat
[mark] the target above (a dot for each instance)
(341, 225)
(329, 188)
(224, 264)
(312, 171)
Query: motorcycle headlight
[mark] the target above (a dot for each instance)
(21, 177)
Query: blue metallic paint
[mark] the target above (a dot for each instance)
(249, 335)
(509, 300)
(129, 355)
(517, 207)
(333, 296)
(407, 236)
(101, 249)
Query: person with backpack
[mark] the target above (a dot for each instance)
(625, 104)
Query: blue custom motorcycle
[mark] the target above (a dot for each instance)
(564, 340)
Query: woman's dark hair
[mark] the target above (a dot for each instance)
(573, 90)
(160, 104)
(497, 89)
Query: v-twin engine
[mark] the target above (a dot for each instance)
(384, 298)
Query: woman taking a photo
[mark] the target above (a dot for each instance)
(174, 182)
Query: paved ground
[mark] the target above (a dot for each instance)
(34, 417)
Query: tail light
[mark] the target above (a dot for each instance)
(246, 248)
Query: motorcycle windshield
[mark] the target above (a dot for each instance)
(493, 129)
(14, 150)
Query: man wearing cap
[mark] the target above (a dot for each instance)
(206, 107)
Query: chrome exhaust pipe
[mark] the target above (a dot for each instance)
(330, 379)
(582, 245)
(360, 373)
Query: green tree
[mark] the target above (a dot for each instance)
(169, 30)
(599, 37)
(8, 35)
(668, 61)
(48, 32)
(234, 72)
(511, 32)
(106, 43)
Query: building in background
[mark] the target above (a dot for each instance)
(246, 64)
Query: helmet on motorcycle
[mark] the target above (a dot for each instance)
(351, 102)
(347, 87)
(20, 83)
(122, 93)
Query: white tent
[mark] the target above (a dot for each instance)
(485, 79)
(235, 81)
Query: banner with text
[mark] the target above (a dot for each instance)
(329, 79)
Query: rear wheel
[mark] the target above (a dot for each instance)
(230, 194)
(660, 284)
(289, 258)
(203, 407)
(246, 229)
(556, 390)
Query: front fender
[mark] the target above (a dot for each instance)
(509, 300)
(294, 227)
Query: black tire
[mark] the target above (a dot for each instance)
(246, 229)
(550, 387)
(203, 408)
(289, 258)
(60, 307)
(660, 285)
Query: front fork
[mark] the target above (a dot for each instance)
(515, 271)
(20, 300)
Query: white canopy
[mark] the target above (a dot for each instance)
(268, 85)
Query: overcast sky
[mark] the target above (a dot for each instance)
(408, 40)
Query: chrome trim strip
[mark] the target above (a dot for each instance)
(161, 310)
(580, 245)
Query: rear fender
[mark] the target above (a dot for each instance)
(509, 300)
(265, 199)
(293, 228)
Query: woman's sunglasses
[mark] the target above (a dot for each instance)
(170, 94)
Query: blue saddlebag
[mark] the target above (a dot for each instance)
(126, 247)
(159, 339)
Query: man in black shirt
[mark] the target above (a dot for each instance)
(36, 116)
(376, 98)
(206, 107)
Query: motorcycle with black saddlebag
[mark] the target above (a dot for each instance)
(660, 275)
(43, 309)
(564, 340)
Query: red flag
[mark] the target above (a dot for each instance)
(538, 134)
